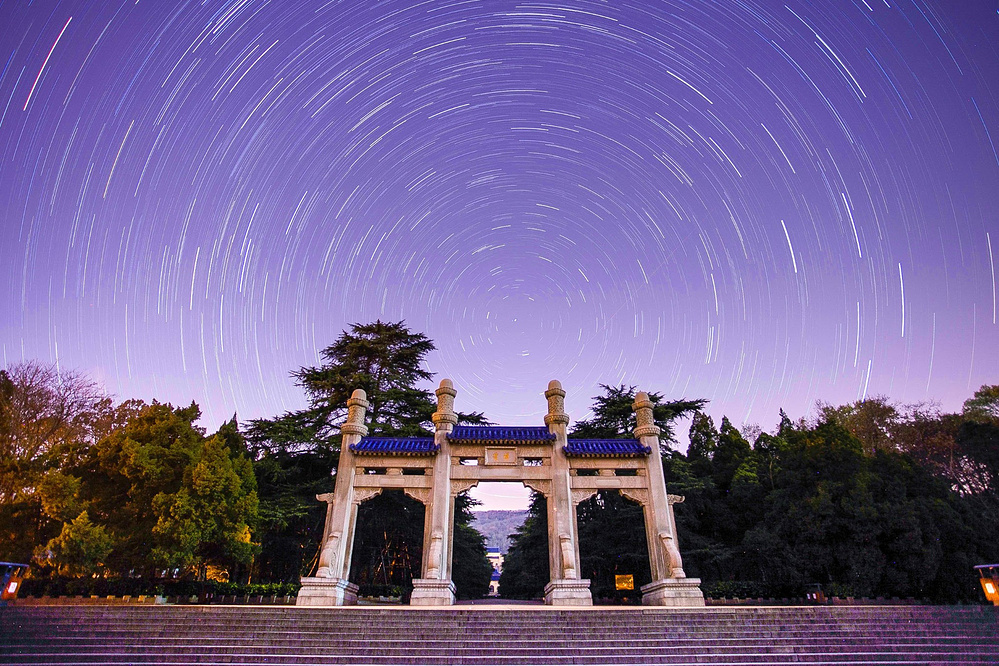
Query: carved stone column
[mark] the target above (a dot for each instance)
(566, 587)
(330, 586)
(669, 586)
(435, 587)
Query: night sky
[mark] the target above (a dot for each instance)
(759, 203)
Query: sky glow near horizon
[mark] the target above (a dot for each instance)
(758, 203)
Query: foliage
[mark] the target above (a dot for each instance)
(526, 568)
(79, 550)
(108, 488)
(983, 407)
(470, 570)
(48, 419)
(207, 519)
(869, 499)
(613, 415)
(169, 496)
(290, 520)
(383, 358)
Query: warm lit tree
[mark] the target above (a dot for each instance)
(47, 422)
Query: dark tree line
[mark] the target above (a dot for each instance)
(868, 499)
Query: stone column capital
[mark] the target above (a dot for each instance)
(357, 406)
(556, 404)
(445, 418)
(643, 414)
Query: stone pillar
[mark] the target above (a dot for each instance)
(566, 588)
(435, 587)
(670, 585)
(330, 586)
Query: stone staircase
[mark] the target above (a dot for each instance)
(485, 636)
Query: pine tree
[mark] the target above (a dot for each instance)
(296, 451)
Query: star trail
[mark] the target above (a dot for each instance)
(759, 203)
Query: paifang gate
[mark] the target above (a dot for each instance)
(566, 471)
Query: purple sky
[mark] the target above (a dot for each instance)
(759, 203)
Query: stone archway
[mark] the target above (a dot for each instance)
(430, 470)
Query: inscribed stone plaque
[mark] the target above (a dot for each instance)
(504, 456)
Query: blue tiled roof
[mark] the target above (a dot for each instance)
(499, 434)
(620, 448)
(396, 446)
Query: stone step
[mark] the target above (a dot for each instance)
(421, 647)
(278, 637)
(483, 637)
(534, 657)
(444, 632)
(430, 623)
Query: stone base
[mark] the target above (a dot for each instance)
(326, 592)
(676, 592)
(568, 592)
(432, 592)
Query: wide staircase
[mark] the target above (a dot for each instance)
(485, 636)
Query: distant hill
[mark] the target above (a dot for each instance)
(497, 526)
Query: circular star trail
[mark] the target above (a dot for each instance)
(759, 203)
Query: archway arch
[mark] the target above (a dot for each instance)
(388, 544)
(601, 559)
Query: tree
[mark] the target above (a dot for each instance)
(731, 453)
(526, 569)
(703, 438)
(163, 493)
(290, 519)
(471, 570)
(613, 415)
(979, 444)
(128, 470)
(384, 359)
(296, 452)
(80, 549)
(872, 421)
(388, 543)
(47, 421)
(208, 519)
(983, 407)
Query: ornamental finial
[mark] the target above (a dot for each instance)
(444, 418)
(357, 406)
(556, 404)
(643, 414)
